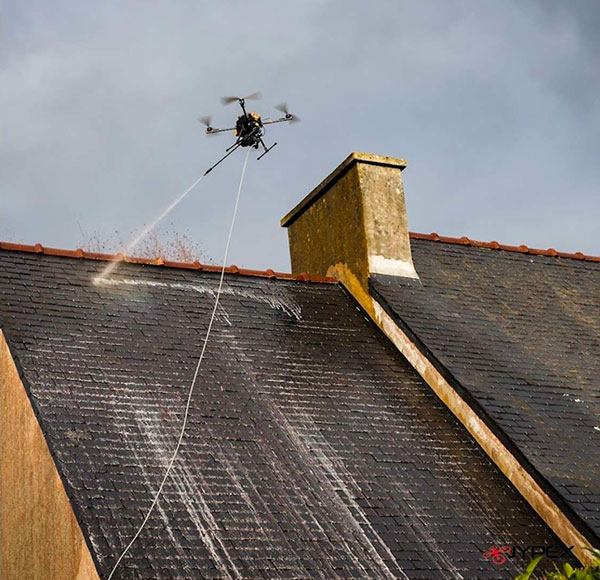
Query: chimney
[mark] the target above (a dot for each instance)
(353, 224)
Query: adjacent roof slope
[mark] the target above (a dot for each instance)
(521, 333)
(313, 449)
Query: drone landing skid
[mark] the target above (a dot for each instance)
(266, 150)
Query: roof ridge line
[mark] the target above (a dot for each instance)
(233, 269)
(523, 249)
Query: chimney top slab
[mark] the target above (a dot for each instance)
(352, 159)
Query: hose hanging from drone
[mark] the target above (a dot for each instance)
(195, 376)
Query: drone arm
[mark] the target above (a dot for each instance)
(218, 130)
(281, 120)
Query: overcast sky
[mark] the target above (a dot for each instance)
(495, 106)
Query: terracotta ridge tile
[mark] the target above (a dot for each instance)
(82, 254)
(523, 249)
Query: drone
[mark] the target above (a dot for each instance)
(249, 128)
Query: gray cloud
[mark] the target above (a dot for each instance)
(494, 105)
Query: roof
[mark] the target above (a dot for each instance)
(313, 448)
(519, 332)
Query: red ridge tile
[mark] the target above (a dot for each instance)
(523, 249)
(304, 276)
(82, 254)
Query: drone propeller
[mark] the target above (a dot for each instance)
(284, 109)
(206, 121)
(252, 97)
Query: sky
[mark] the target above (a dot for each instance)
(494, 105)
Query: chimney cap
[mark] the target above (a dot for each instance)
(352, 159)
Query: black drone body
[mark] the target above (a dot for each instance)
(249, 128)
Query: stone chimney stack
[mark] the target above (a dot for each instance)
(353, 224)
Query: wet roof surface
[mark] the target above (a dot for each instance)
(313, 448)
(521, 333)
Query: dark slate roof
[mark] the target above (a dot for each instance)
(313, 448)
(520, 333)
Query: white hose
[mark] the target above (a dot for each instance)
(191, 390)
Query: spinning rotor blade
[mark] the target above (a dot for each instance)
(252, 97)
(284, 109)
(206, 120)
(228, 100)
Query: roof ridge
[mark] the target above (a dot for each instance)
(233, 269)
(523, 249)
(304, 276)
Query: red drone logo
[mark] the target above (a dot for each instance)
(497, 555)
